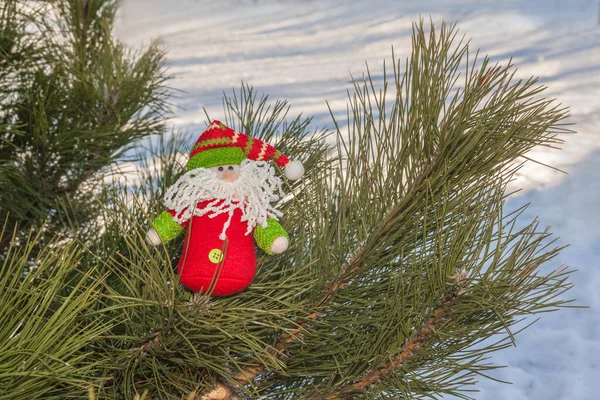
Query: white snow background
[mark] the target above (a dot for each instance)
(304, 51)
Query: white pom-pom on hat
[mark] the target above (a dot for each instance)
(294, 170)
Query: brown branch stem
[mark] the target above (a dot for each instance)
(225, 392)
(415, 341)
(347, 271)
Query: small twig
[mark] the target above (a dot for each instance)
(250, 373)
(366, 168)
(141, 350)
(91, 392)
(75, 184)
(417, 340)
(344, 277)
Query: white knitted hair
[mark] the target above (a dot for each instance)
(254, 190)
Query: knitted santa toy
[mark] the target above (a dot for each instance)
(225, 197)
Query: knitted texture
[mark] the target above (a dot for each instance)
(220, 214)
(218, 137)
(213, 157)
(166, 228)
(211, 265)
(252, 193)
(266, 236)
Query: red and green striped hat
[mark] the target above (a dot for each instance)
(220, 145)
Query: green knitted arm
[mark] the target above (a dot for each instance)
(166, 228)
(266, 236)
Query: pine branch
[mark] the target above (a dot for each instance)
(408, 184)
(421, 337)
(370, 298)
(285, 340)
(74, 100)
(45, 302)
(346, 274)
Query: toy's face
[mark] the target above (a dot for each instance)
(228, 172)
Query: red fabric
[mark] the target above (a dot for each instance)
(242, 141)
(282, 160)
(257, 145)
(269, 153)
(216, 131)
(236, 271)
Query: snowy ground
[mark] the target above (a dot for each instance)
(305, 50)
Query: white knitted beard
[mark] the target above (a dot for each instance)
(252, 193)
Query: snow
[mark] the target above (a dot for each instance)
(559, 357)
(305, 50)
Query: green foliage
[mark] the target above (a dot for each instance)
(401, 268)
(412, 215)
(165, 340)
(74, 101)
(45, 326)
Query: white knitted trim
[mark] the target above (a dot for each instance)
(252, 193)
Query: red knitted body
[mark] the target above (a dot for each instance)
(196, 270)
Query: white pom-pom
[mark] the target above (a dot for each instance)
(280, 245)
(152, 237)
(294, 170)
